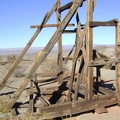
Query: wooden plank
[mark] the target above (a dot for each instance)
(46, 74)
(46, 18)
(69, 112)
(70, 58)
(95, 63)
(71, 79)
(47, 80)
(67, 6)
(72, 108)
(50, 25)
(107, 91)
(13, 87)
(79, 40)
(98, 23)
(60, 53)
(74, 104)
(43, 55)
(79, 79)
(89, 47)
(118, 64)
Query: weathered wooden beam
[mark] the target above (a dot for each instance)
(118, 64)
(71, 108)
(107, 91)
(98, 23)
(70, 58)
(46, 74)
(43, 54)
(60, 53)
(65, 7)
(74, 104)
(44, 91)
(13, 87)
(50, 25)
(79, 79)
(95, 63)
(47, 80)
(89, 47)
(16, 62)
(79, 39)
(68, 111)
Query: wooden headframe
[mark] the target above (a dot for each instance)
(84, 43)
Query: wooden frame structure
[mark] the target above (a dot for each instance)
(81, 83)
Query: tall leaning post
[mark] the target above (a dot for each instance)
(89, 47)
(118, 64)
(60, 55)
(43, 55)
(16, 62)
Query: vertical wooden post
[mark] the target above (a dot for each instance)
(79, 78)
(89, 45)
(60, 61)
(31, 107)
(118, 64)
(98, 77)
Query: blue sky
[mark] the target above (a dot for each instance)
(16, 17)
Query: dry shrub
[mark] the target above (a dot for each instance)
(1, 59)
(49, 65)
(19, 73)
(11, 58)
(20, 70)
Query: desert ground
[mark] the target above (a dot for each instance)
(50, 64)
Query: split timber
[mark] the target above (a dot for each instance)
(82, 93)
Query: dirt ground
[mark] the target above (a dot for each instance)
(23, 68)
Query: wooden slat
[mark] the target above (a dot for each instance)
(46, 18)
(50, 25)
(43, 55)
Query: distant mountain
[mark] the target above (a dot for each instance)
(9, 51)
